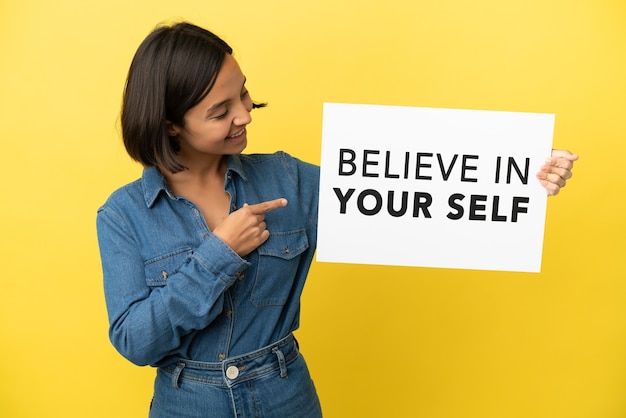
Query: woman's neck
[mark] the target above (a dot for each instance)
(197, 176)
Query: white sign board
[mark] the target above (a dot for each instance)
(430, 187)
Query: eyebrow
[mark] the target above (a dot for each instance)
(223, 102)
(217, 106)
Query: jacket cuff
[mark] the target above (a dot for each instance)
(220, 260)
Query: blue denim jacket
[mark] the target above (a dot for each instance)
(174, 290)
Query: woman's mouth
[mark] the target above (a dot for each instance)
(238, 136)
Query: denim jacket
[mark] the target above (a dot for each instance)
(175, 290)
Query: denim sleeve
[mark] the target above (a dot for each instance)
(147, 324)
(305, 178)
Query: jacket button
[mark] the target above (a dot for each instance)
(232, 372)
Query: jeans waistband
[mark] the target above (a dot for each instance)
(237, 369)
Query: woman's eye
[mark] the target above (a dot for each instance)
(222, 116)
(244, 93)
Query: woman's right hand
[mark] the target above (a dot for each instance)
(245, 229)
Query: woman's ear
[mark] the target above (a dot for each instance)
(172, 130)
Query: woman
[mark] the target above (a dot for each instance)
(195, 284)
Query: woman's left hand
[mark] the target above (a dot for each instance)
(557, 169)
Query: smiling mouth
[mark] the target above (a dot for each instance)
(236, 134)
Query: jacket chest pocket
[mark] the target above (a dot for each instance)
(279, 259)
(159, 269)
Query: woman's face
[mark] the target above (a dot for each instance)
(217, 125)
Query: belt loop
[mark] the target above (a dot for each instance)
(281, 361)
(177, 372)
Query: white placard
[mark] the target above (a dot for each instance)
(428, 187)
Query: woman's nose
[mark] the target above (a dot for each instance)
(242, 116)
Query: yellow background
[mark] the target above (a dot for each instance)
(380, 341)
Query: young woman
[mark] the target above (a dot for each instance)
(205, 256)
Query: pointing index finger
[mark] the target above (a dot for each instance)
(268, 206)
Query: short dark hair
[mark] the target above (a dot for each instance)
(173, 69)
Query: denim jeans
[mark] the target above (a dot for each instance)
(272, 382)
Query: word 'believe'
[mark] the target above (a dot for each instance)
(370, 166)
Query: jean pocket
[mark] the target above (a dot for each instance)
(159, 269)
(279, 258)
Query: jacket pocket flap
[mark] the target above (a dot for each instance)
(286, 245)
(159, 269)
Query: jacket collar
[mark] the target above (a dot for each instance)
(153, 182)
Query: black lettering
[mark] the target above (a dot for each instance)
(350, 162)
(403, 207)
(446, 173)
(474, 207)
(494, 211)
(387, 174)
(459, 209)
(420, 165)
(465, 168)
(343, 199)
(517, 208)
(513, 165)
(498, 160)
(421, 200)
(376, 196)
(407, 158)
(367, 162)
